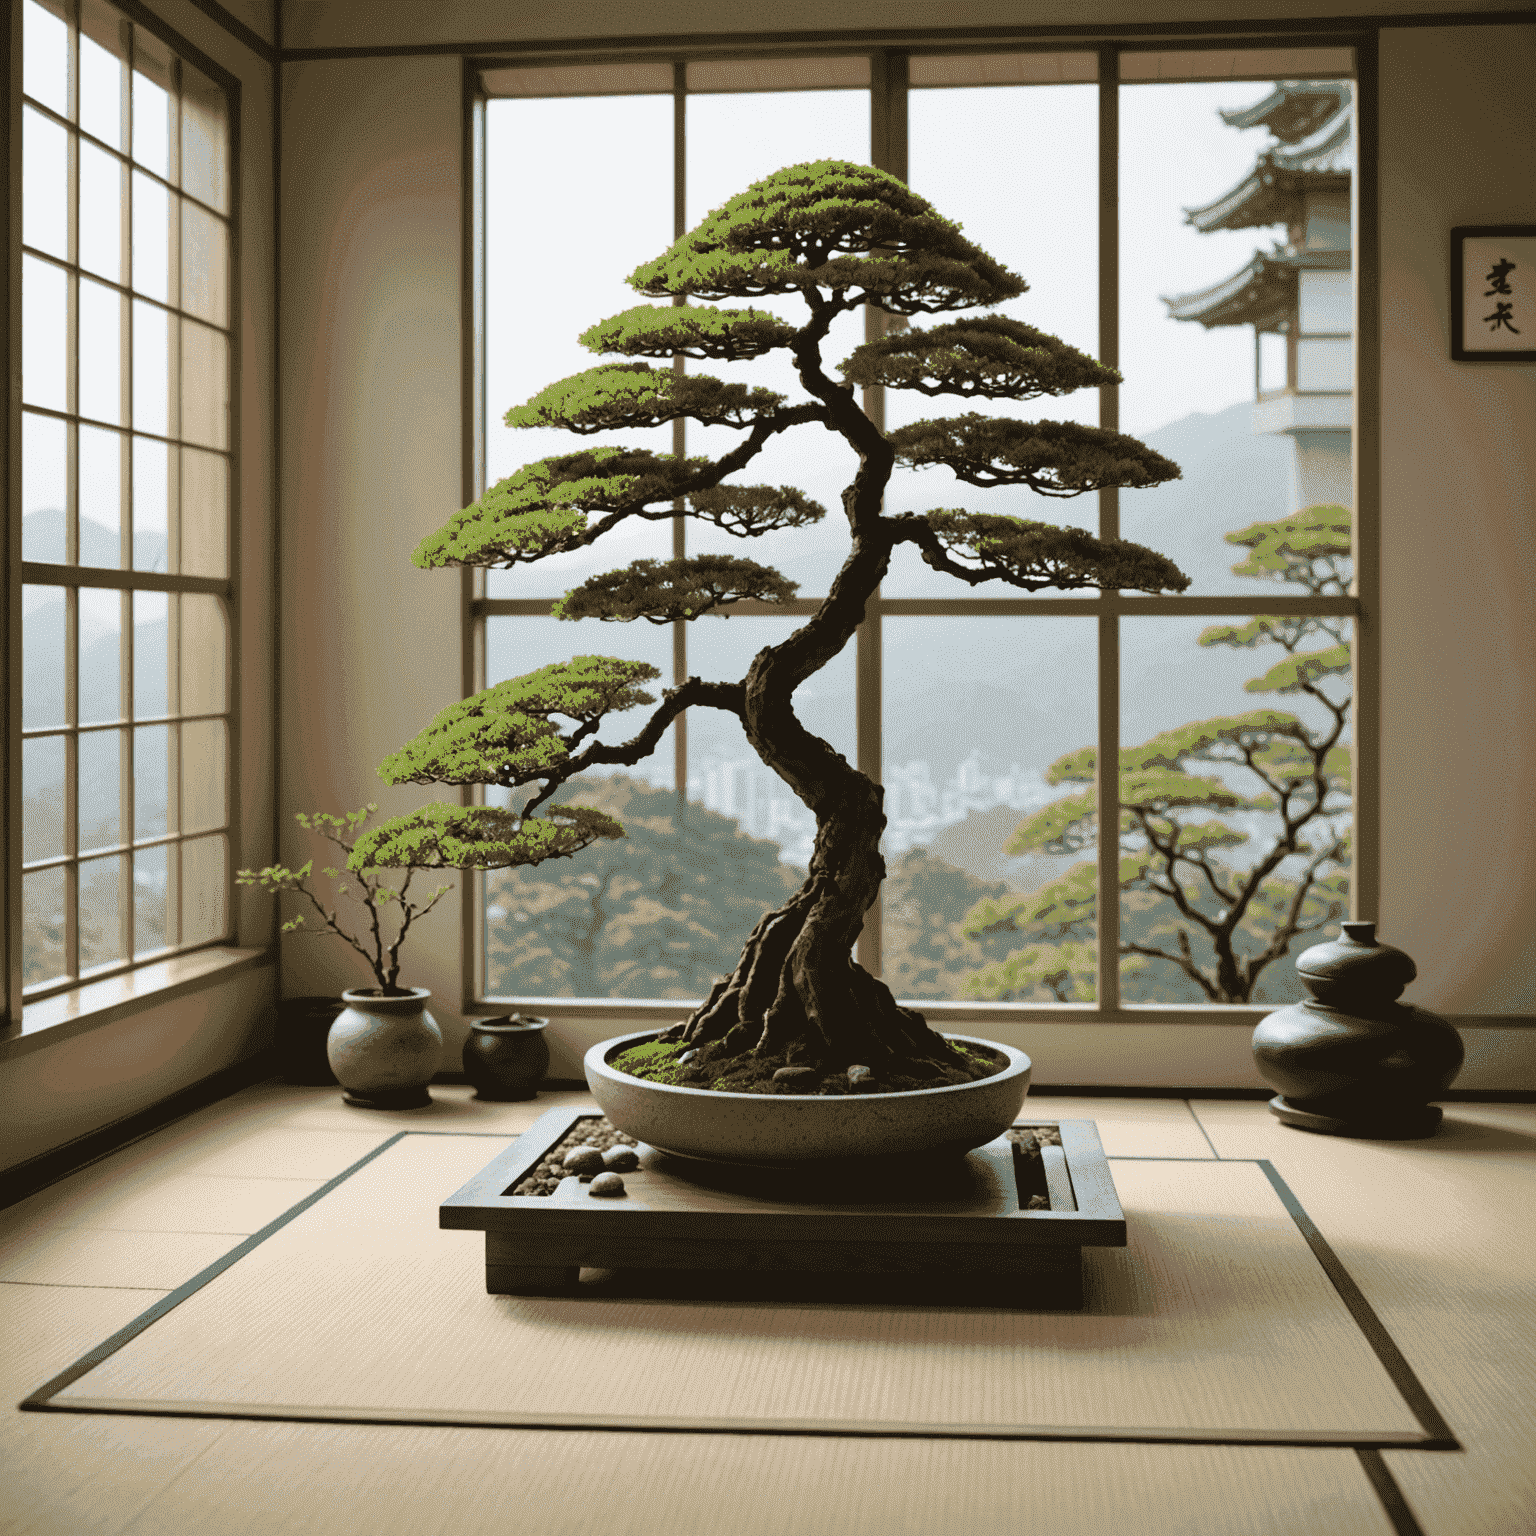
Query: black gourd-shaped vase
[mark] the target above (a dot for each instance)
(506, 1058)
(1352, 1060)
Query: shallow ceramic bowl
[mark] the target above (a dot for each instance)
(774, 1129)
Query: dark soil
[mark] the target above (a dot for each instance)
(712, 1066)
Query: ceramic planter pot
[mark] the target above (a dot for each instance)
(770, 1129)
(506, 1058)
(385, 1050)
(1352, 1060)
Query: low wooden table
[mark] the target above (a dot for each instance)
(956, 1217)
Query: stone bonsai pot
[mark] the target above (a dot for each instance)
(792, 1128)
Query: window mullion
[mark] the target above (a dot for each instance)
(679, 426)
(1107, 784)
(888, 152)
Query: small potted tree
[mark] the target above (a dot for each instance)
(799, 1052)
(382, 1045)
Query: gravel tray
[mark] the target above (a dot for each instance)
(590, 1131)
(595, 1131)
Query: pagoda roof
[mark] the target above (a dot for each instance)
(1272, 192)
(1294, 110)
(1261, 294)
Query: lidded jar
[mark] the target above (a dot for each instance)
(1352, 1060)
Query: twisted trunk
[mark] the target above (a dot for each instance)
(797, 995)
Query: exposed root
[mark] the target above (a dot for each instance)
(791, 1003)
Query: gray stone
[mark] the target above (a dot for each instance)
(857, 1075)
(686, 1057)
(583, 1160)
(607, 1184)
(621, 1158)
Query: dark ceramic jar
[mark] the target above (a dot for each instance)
(506, 1058)
(1352, 1060)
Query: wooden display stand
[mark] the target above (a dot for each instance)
(949, 1217)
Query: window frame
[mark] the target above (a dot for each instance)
(162, 965)
(887, 92)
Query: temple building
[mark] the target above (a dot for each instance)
(1301, 289)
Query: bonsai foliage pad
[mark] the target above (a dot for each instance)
(918, 1219)
(1217, 1322)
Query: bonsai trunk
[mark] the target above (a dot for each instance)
(797, 995)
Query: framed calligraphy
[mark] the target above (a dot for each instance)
(1493, 293)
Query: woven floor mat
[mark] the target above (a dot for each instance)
(1216, 1322)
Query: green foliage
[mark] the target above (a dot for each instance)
(504, 734)
(1053, 458)
(691, 330)
(662, 913)
(1310, 549)
(1063, 908)
(1158, 791)
(1264, 629)
(384, 959)
(1034, 555)
(1297, 674)
(480, 837)
(750, 510)
(637, 395)
(810, 226)
(666, 590)
(987, 355)
(1063, 826)
(542, 508)
(1067, 973)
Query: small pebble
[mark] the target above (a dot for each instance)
(621, 1158)
(583, 1160)
(857, 1075)
(607, 1184)
(686, 1057)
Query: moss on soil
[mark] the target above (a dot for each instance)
(658, 1061)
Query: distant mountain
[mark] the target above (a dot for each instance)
(42, 538)
(1232, 477)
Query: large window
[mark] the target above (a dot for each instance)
(1185, 217)
(128, 749)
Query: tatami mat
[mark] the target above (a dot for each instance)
(1217, 1320)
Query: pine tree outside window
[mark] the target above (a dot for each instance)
(982, 912)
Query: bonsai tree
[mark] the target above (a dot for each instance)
(375, 896)
(838, 235)
(1219, 926)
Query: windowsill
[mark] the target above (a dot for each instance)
(96, 1003)
(664, 1011)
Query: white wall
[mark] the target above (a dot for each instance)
(1458, 608)
(371, 243)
